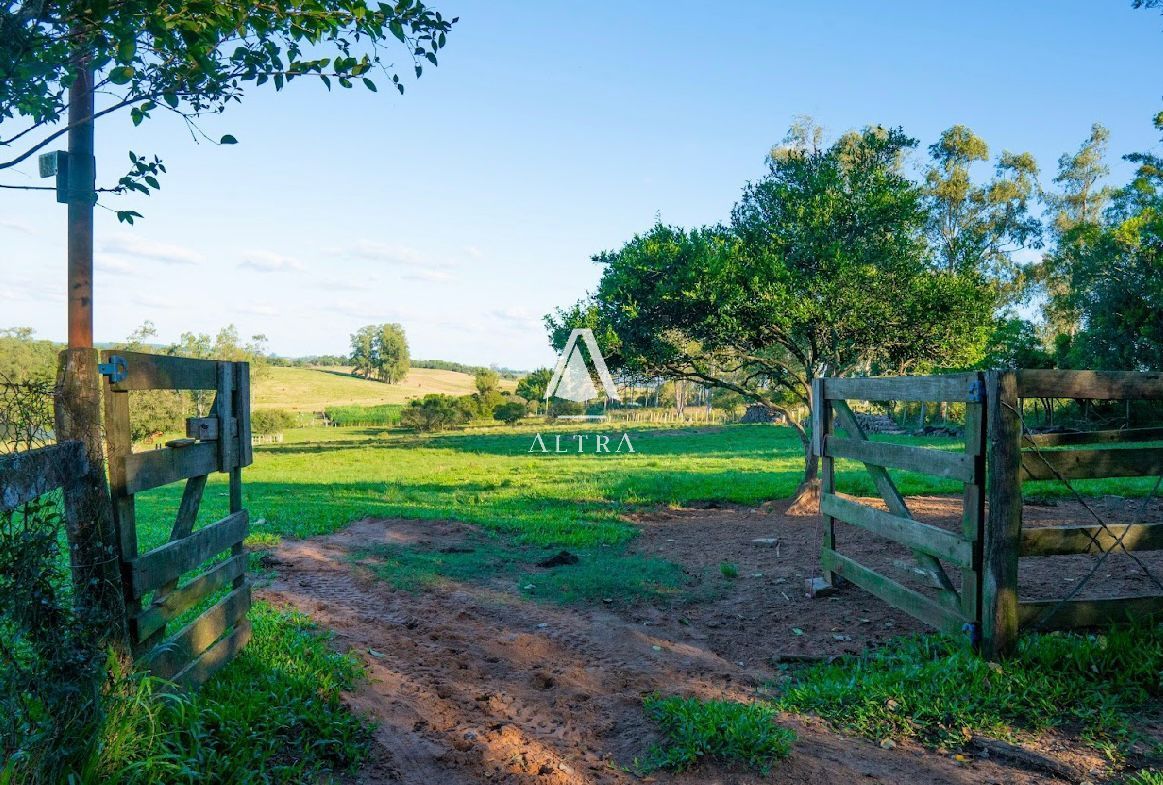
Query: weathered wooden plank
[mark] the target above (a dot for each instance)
(178, 601)
(999, 582)
(169, 658)
(889, 492)
(215, 658)
(957, 466)
(154, 468)
(949, 387)
(161, 565)
(1086, 464)
(1095, 385)
(242, 413)
(821, 428)
(26, 475)
(973, 509)
(911, 602)
(1050, 615)
(204, 429)
(1065, 540)
(907, 531)
(1123, 436)
(163, 372)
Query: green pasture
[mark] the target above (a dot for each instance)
(320, 479)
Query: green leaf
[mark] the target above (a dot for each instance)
(370, 85)
(227, 139)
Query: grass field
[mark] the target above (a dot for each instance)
(320, 479)
(314, 389)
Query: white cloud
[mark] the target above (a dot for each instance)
(429, 276)
(516, 316)
(32, 290)
(473, 251)
(258, 309)
(113, 265)
(399, 255)
(138, 247)
(267, 262)
(16, 226)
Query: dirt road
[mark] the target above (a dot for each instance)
(473, 683)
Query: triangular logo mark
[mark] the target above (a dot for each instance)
(571, 378)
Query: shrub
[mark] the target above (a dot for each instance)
(559, 408)
(436, 412)
(509, 413)
(267, 421)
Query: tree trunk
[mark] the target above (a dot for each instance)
(807, 497)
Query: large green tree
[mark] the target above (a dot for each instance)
(189, 59)
(825, 270)
(1113, 273)
(391, 353)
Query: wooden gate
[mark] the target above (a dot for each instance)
(954, 607)
(154, 591)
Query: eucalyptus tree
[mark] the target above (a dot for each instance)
(1077, 211)
(979, 227)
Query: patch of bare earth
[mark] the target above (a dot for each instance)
(473, 683)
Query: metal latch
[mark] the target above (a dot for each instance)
(976, 391)
(116, 369)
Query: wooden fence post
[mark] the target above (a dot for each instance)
(821, 427)
(1003, 525)
(92, 536)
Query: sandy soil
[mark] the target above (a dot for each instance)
(472, 683)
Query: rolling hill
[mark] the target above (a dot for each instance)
(314, 389)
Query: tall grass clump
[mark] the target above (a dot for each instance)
(383, 415)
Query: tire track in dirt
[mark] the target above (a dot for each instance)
(473, 683)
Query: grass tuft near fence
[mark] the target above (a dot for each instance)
(723, 731)
(934, 689)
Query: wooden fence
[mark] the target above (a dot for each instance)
(992, 540)
(219, 442)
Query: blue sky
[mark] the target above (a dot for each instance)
(470, 206)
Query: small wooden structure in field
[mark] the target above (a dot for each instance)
(998, 455)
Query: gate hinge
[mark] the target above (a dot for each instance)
(976, 391)
(115, 369)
